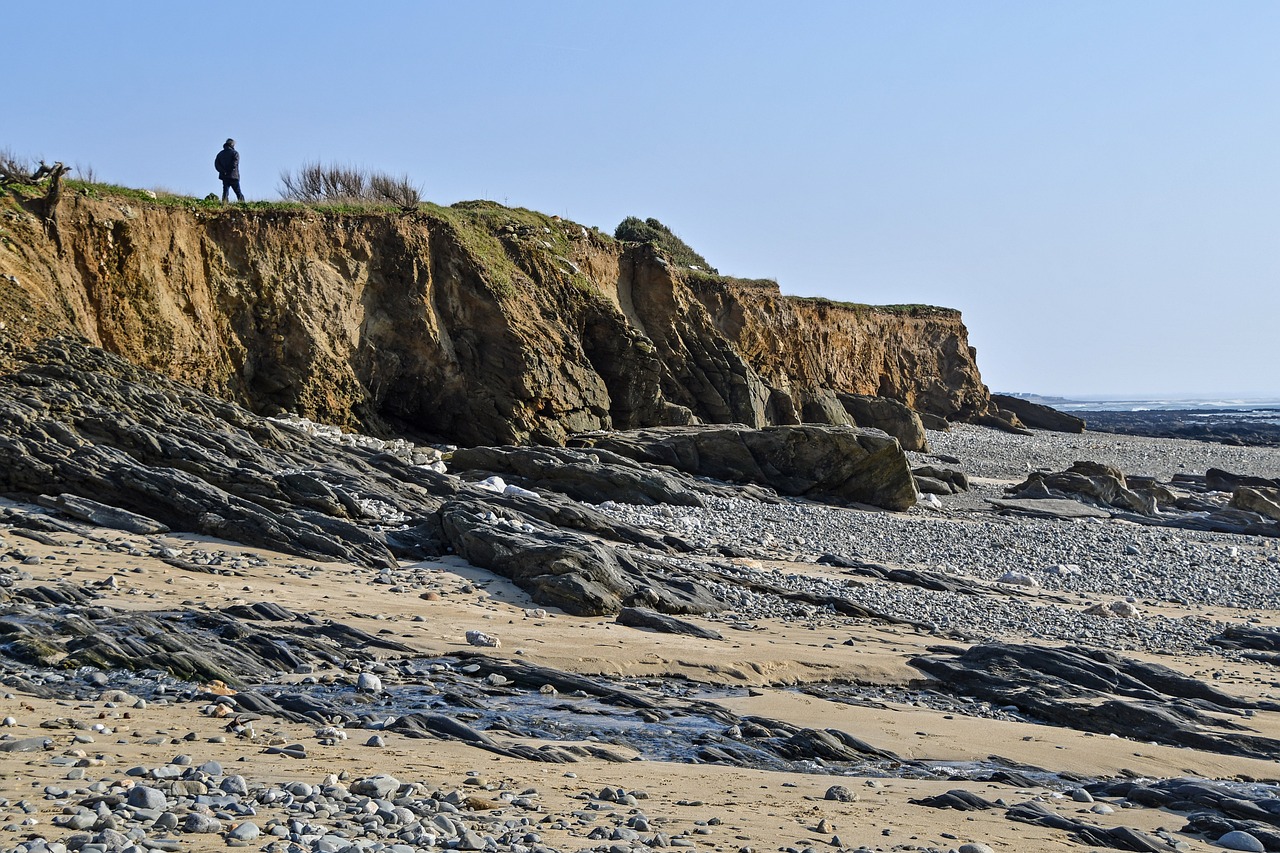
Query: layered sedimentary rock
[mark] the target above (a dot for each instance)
(841, 465)
(1038, 416)
(93, 437)
(477, 323)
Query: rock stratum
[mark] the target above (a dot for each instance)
(475, 323)
(96, 438)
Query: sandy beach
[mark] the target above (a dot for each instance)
(782, 666)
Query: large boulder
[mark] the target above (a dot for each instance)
(1219, 480)
(883, 413)
(1091, 481)
(1038, 416)
(822, 406)
(827, 463)
(583, 476)
(1263, 501)
(558, 568)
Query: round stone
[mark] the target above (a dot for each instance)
(1238, 840)
(142, 797)
(199, 823)
(840, 794)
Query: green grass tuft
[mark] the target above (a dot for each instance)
(633, 229)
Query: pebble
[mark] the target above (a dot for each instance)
(480, 638)
(140, 796)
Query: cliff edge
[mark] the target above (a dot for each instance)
(476, 323)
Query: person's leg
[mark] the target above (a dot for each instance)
(235, 185)
(226, 186)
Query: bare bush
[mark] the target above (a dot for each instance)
(401, 191)
(316, 183)
(21, 170)
(14, 169)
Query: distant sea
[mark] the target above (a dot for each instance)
(1247, 421)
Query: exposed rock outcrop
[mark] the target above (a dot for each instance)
(96, 438)
(1219, 500)
(841, 464)
(1265, 502)
(883, 413)
(477, 323)
(1094, 690)
(1093, 481)
(1038, 416)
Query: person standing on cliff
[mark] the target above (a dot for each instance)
(228, 165)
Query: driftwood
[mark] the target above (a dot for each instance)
(14, 171)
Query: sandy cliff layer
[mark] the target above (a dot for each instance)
(477, 323)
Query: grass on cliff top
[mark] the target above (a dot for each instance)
(164, 198)
(488, 229)
(481, 226)
(704, 279)
(908, 310)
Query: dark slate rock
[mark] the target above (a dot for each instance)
(1117, 838)
(582, 475)
(831, 745)
(1048, 507)
(1038, 416)
(958, 799)
(562, 569)
(1098, 691)
(640, 617)
(26, 744)
(103, 515)
(1219, 480)
(888, 415)
(954, 479)
(829, 463)
(1104, 485)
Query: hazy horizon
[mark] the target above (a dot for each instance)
(1193, 396)
(1094, 185)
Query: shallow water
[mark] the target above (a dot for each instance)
(692, 728)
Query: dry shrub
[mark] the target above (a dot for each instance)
(316, 183)
(22, 170)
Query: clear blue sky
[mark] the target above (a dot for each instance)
(1093, 183)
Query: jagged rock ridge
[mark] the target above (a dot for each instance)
(88, 434)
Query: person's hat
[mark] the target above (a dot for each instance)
(228, 142)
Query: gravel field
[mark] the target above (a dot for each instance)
(1090, 560)
(986, 452)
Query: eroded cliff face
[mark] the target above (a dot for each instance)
(475, 323)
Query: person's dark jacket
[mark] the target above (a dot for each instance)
(228, 164)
